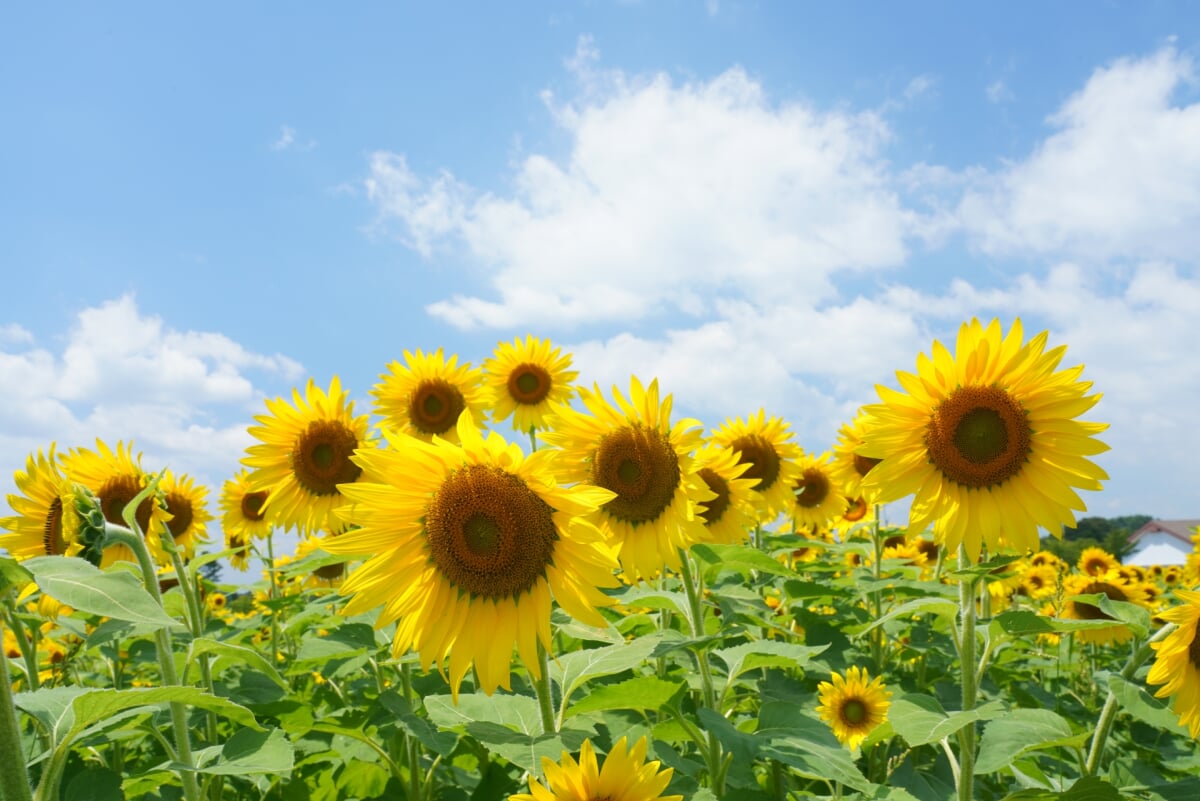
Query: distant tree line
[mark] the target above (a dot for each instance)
(1109, 533)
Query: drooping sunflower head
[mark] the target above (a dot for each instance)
(631, 449)
(1114, 588)
(304, 454)
(467, 545)
(46, 522)
(624, 776)
(987, 439)
(818, 500)
(425, 396)
(1096, 562)
(766, 445)
(854, 705)
(187, 504)
(849, 467)
(527, 378)
(1177, 660)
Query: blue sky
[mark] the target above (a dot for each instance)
(763, 204)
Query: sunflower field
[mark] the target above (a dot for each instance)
(511, 586)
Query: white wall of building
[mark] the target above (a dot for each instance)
(1158, 548)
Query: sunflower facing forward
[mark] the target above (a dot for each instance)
(818, 500)
(730, 515)
(987, 440)
(849, 467)
(187, 504)
(467, 546)
(853, 706)
(304, 454)
(526, 378)
(425, 396)
(45, 523)
(625, 776)
(632, 450)
(1177, 661)
(242, 517)
(766, 445)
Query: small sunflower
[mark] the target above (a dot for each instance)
(625, 776)
(242, 513)
(764, 444)
(116, 477)
(1039, 581)
(853, 706)
(1096, 562)
(1177, 661)
(326, 576)
(849, 467)
(467, 546)
(818, 500)
(526, 378)
(425, 396)
(46, 523)
(856, 514)
(730, 515)
(1117, 589)
(987, 441)
(632, 450)
(187, 504)
(304, 454)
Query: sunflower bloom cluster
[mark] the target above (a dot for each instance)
(625, 776)
(986, 440)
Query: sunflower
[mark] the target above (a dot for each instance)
(632, 450)
(987, 440)
(625, 776)
(116, 478)
(1177, 661)
(849, 467)
(1039, 581)
(856, 514)
(425, 396)
(325, 576)
(467, 545)
(853, 706)
(46, 523)
(817, 500)
(242, 514)
(304, 455)
(1116, 589)
(764, 444)
(729, 516)
(526, 378)
(1096, 562)
(187, 505)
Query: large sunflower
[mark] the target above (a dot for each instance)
(305, 454)
(116, 477)
(46, 523)
(987, 440)
(730, 515)
(187, 504)
(467, 545)
(1177, 661)
(425, 396)
(526, 378)
(633, 450)
(625, 776)
(849, 467)
(853, 706)
(764, 444)
(817, 499)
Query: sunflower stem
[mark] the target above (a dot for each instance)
(14, 780)
(966, 657)
(542, 685)
(1109, 713)
(28, 650)
(876, 595)
(693, 585)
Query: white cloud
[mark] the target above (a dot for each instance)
(288, 141)
(998, 92)
(1118, 179)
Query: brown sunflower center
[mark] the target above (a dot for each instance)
(1086, 611)
(854, 711)
(1095, 566)
(252, 504)
(863, 464)
(714, 509)
(489, 534)
(856, 510)
(180, 506)
(638, 463)
(321, 457)
(52, 530)
(435, 406)
(529, 383)
(760, 454)
(979, 436)
(116, 493)
(330, 572)
(812, 488)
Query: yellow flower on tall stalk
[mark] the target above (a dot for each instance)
(425, 396)
(632, 449)
(46, 523)
(1039, 581)
(986, 440)
(243, 517)
(764, 444)
(187, 504)
(817, 498)
(1116, 589)
(853, 706)
(467, 546)
(304, 454)
(526, 378)
(856, 514)
(116, 477)
(625, 776)
(1177, 661)
(730, 515)
(850, 467)
(1096, 562)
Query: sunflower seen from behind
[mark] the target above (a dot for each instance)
(1177, 661)
(853, 705)
(425, 396)
(765, 444)
(630, 448)
(986, 440)
(624, 776)
(304, 454)
(45, 523)
(468, 547)
(526, 378)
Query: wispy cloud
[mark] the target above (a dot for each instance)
(288, 140)
(998, 92)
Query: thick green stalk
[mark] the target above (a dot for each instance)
(542, 685)
(28, 649)
(14, 780)
(272, 594)
(966, 659)
(693, 587)
(877, 595)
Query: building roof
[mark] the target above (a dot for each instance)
(1181, 530)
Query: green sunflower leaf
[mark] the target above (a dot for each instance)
(83, 586)
(641, 693)
(1021, 731)
(920, 719)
